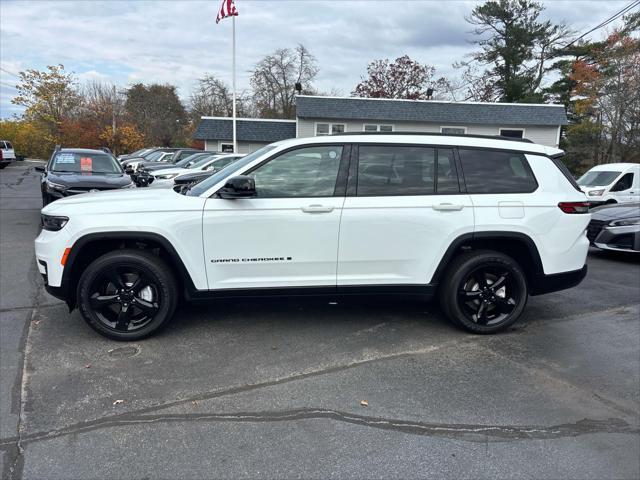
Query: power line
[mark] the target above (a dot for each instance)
(5, 84)
(10, 73)
(606, 22)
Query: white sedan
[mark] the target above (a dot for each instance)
(164, 178)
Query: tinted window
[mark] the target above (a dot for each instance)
(447, 174)
(624, 183)
(487, 171)
(84, 163)
(386, 171)
(505, 132)
(305, 172)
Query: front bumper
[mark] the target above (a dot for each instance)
(619, 239)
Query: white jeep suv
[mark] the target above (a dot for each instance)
(481, 222)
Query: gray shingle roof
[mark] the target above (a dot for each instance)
(246, 130)
(444, 113)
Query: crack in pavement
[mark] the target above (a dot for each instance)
(465, 432)
(14, 466)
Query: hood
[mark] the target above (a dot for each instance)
(126, 201)
(191, 177)
(131, 160)
(147, 164)
(153, 166)
(168, 170)
(89, 180)
(615, 212)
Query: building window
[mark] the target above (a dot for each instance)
(329, 128)
(453, 130)
(512, 132)
(372, 127)
(226, 147)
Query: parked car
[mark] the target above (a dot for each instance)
(187, 180)
(131, 165)
(213, 163)
(615, 227)
(154, 153)
(612, 183)
(176, 157)
(185, 162)
(7, 153)
(479, 222)
(137, 153)
(72, 171)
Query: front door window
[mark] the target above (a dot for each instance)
(305, 172)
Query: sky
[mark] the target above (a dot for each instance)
(177, 41)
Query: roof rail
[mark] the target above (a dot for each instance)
(438, 134)
(105, 149)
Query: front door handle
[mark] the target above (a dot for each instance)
(317, 209)
(447, 207)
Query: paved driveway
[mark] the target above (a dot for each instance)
(274, 389)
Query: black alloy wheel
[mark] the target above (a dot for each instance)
(127, 294)
(124, 298)
(488, 295)
(484, 291)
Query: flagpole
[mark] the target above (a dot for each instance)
(235, 142)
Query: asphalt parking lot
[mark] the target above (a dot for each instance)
(274, 389)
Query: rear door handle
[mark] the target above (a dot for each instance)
(317, 209)
(447, 207)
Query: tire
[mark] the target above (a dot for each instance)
(127, 294)
(2, 165)
(470, 299)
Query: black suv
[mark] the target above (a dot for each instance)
(70, 171)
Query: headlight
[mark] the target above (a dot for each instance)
(53, 224)
(595, 193)
(55, 186)
(166, 176)
(626, 222)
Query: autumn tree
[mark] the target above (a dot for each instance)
(274, 79)
(402, 78)
(49, 97)
(516, 49)
(157, 112)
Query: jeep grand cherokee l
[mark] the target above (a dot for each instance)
(479, 222)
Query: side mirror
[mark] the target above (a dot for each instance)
(238, 187)
(39, 168)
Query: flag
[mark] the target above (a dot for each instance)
(228, 9)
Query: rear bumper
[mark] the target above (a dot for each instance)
(559, 281)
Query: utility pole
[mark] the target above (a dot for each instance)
(113, 119)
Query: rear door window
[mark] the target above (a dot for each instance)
(393, 171)
(9, 146)
(494, 171)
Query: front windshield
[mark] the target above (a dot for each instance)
(85, 163)
(203, 161)
(228, 171)
(597, 178)
(191, 158)
(153, 156)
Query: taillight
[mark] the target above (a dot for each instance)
(574, 207)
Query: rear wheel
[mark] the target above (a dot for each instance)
(127, 294)
(484, 292)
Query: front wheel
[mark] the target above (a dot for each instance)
(484, 292)
(127, 294)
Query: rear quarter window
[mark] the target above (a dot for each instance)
(495, 171)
